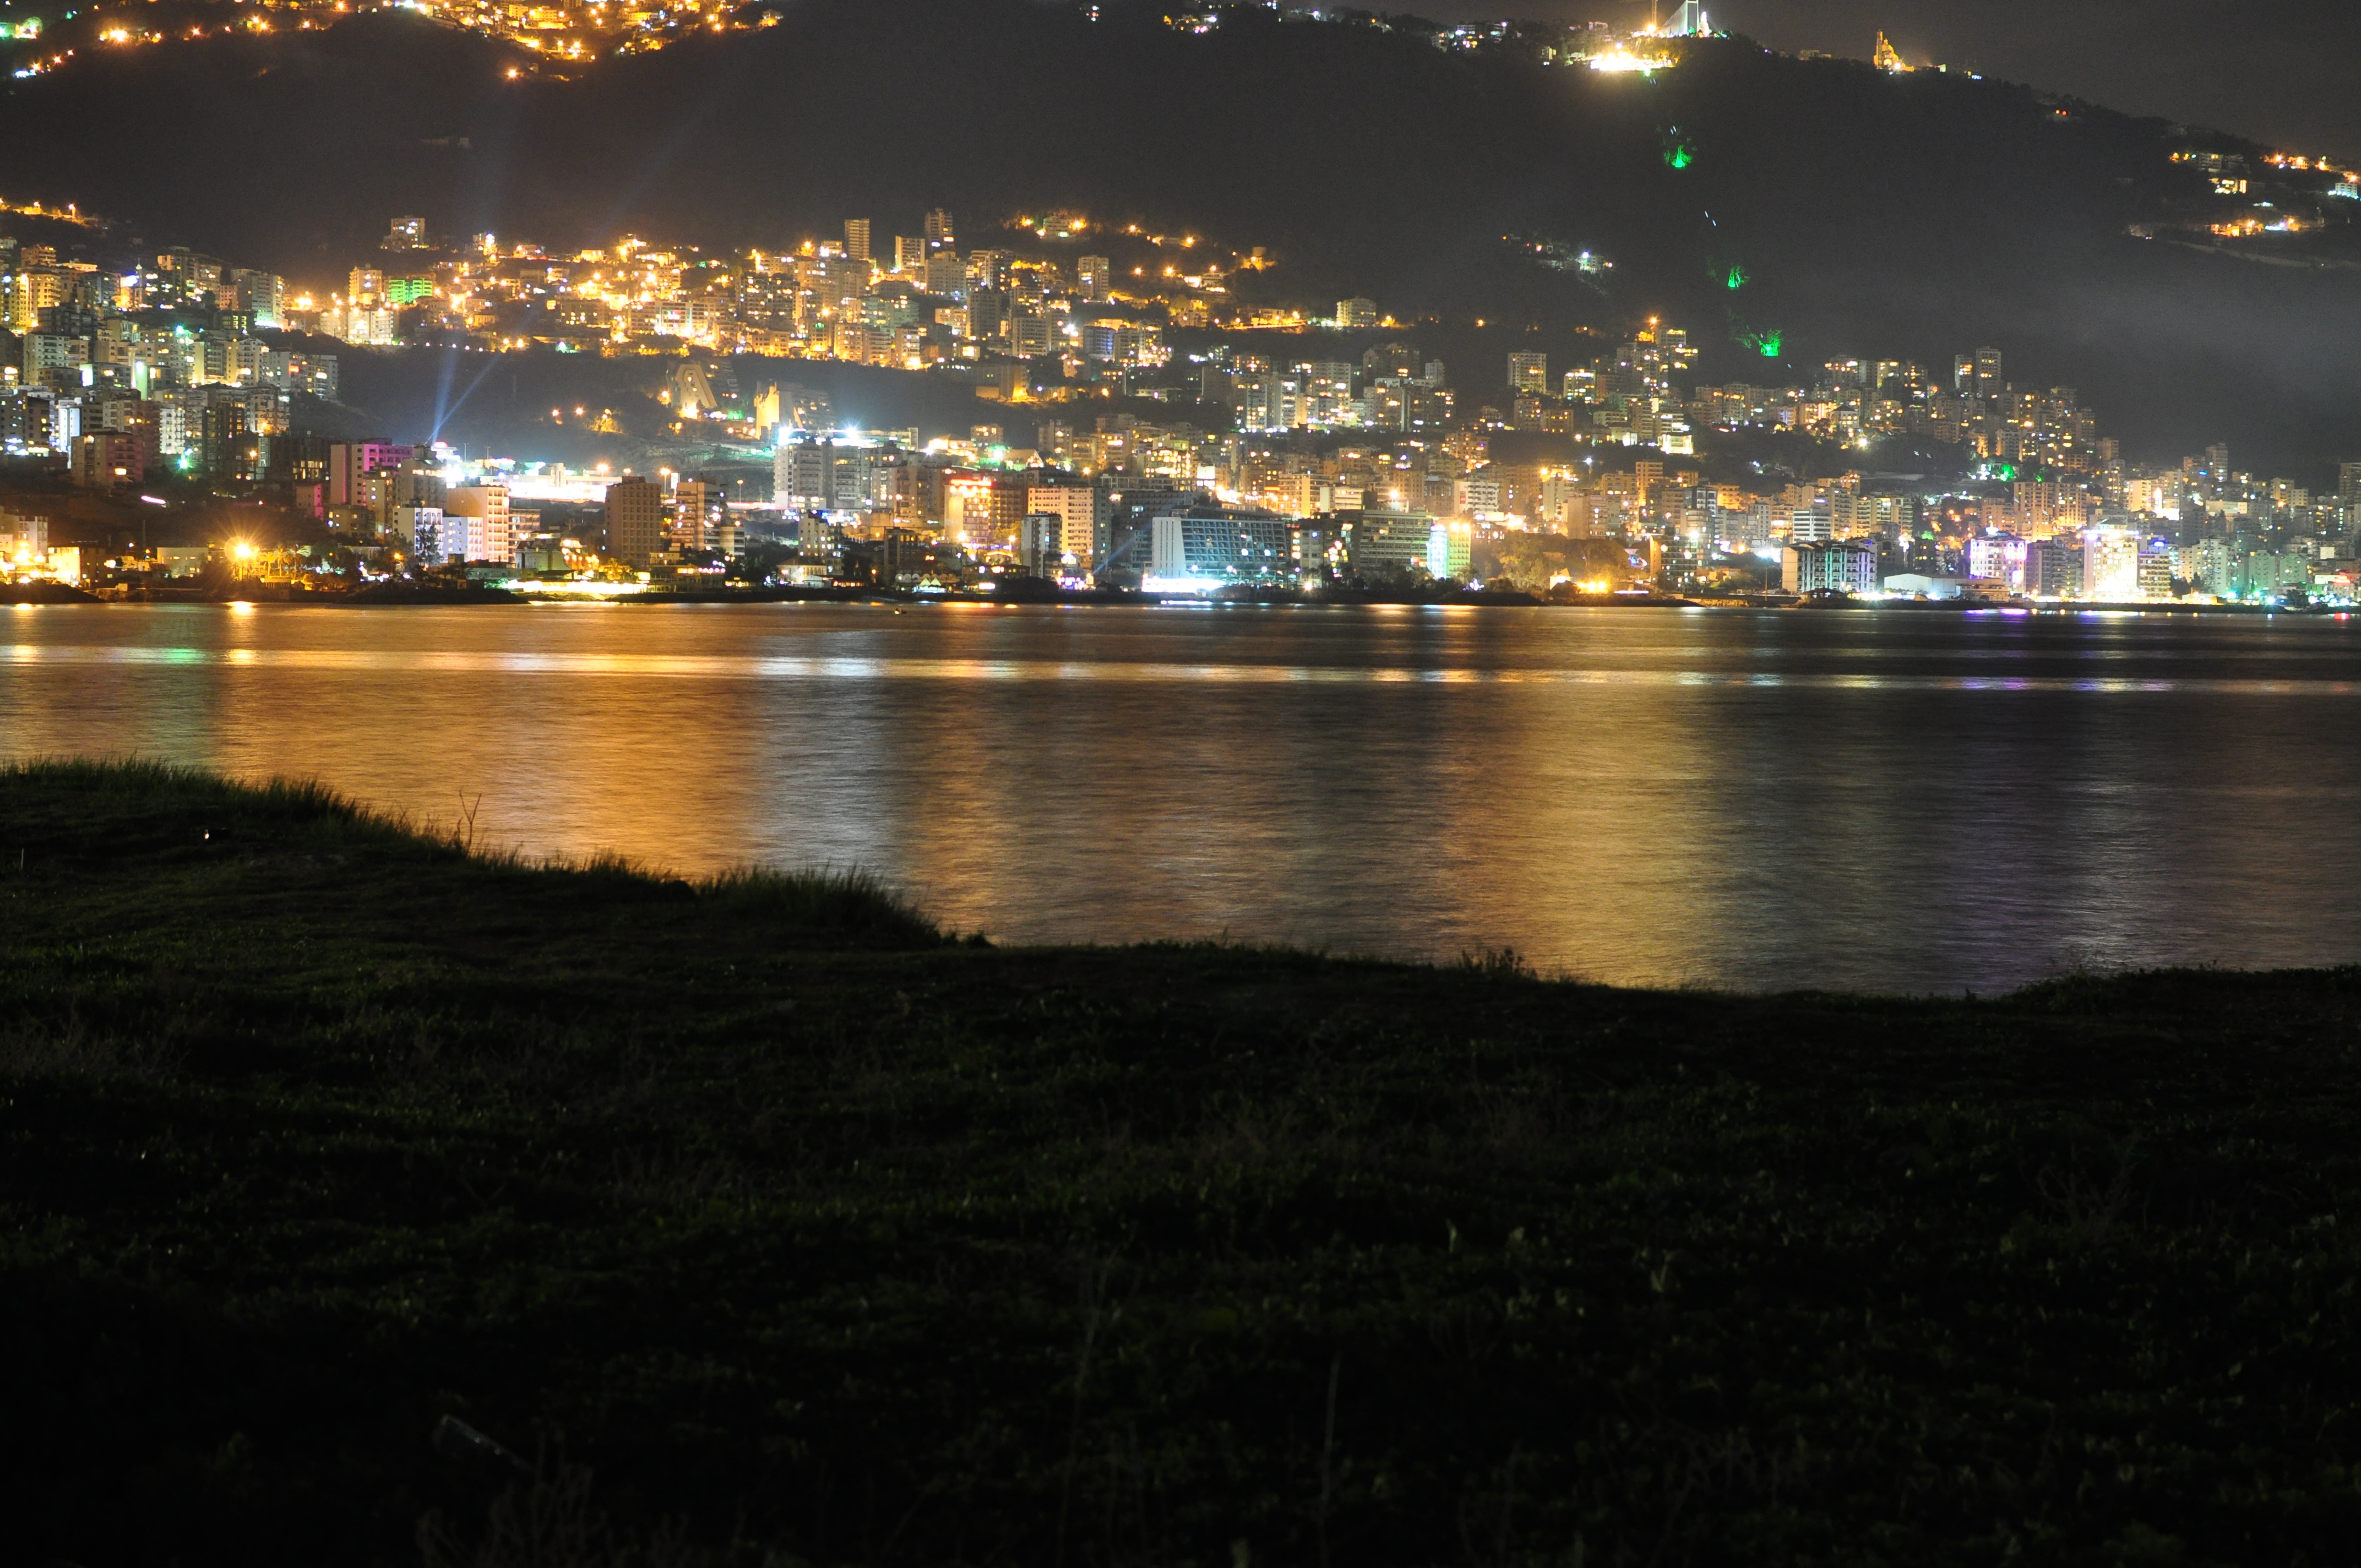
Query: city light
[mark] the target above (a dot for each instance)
(1293, 454)
(1622, 60)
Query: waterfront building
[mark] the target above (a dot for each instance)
(1198, 544)
(1844, 566)
(634, 520)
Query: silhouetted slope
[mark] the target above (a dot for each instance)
(1913, 216)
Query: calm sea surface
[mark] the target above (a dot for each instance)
(1889, 801)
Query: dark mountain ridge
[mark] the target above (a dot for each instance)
(1874, 215)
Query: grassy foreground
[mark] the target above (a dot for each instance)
(755, 1222)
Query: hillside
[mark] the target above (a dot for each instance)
(1913, 216)
(351, 1182)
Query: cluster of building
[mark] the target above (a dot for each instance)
(170, 364)
(1289, 468)
(1321, 476)
(2122, 534)
(1013, 323)
(1176, 510)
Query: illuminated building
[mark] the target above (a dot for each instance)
(634, 520)
(418, 528)
(697, 510)
(1032, 336)
(1688, 20)
(107, 460)
(46, 352)
(1197, 545)
(939, 230)
(1082, 513)
(228, 447)
(348, 461)
(1390, 544)
(1998, 558)
(2111, 563)
(1844, 566)
(802, 476)
(1811, 525)
(982, 510)
(1451, 551)
(1528, 373)
(32, 291)
(1040, 550)
(856, 238)
(477, 525)
(259, 294)
(1887, 58)
(1852, 515)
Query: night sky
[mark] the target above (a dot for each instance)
(2279, 71)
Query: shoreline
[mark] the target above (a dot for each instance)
(45, 594)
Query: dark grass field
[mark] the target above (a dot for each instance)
(758, 1222)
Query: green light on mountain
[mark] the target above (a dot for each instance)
(1678, 156)
(1770, 346)
(1738, 278)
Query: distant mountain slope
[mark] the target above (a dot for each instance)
(1898, 216)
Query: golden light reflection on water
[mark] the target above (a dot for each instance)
(793, 667)
(1922, 802)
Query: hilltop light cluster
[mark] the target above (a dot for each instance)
(995, 315)
(571, 32)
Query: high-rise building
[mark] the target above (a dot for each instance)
(1528, 373)
(420, 527)
(1038, 544)
(1083, 512)
(348, 461)
(939, 230)
(2111, 559)
(1193, 542)
(30, 293)
(988, 270)
(1032, 336)
(1094, 276)
(909, 254)
(697, 510)
(476, 523)
(1357, 312)
(259, 294)
(634, 520)
(856, 238)
(2348, 494)
(1989, 382)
